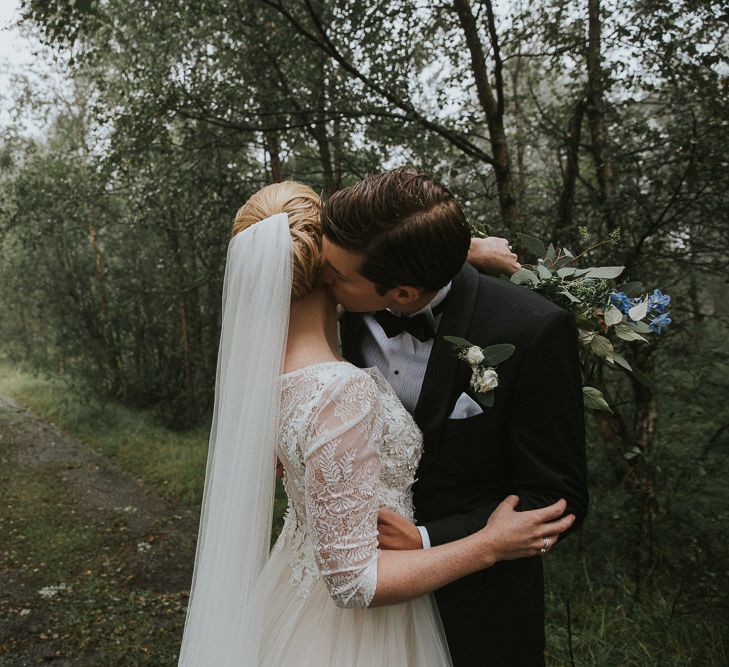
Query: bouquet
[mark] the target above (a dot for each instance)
(609, 315)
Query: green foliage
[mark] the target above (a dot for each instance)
(113, 228)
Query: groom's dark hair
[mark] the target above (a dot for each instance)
(410, 229)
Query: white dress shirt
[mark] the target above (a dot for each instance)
(403, 359)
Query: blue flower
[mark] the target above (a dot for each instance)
(621, 301)
(658, 302)
(658, 324)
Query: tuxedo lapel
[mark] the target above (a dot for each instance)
(443, 365)
(352, 331)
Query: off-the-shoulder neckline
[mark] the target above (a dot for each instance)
(324, 363)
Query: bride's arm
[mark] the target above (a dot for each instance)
(403, 575)
(341, 488)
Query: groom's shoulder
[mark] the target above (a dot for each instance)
(503, 295)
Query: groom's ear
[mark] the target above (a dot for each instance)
(404, 296)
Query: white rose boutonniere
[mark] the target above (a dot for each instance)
(474, 355)
(484, 379)
(482, 360)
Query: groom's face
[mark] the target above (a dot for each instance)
(345, 282)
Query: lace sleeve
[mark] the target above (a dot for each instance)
(341, 482)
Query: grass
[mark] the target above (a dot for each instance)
(94, 616)
(171, 461)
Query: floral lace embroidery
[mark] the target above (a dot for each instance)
(348, 446)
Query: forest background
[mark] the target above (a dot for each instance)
(576, 122)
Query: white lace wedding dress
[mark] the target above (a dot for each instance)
(347, 446)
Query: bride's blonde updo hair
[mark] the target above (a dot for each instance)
(303, 206)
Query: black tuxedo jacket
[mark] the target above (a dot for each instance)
(531, 443)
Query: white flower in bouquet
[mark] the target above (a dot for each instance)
(484, 380)
(474, 355)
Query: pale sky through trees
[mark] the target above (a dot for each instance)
(16, 53)
(15, 49)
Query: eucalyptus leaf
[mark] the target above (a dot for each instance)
(524, 276)
(495, 354)
(543, 272)
(594, 400)
(620, 360)
(585, 336)
(613, 315)
(633, 289)
(561, 262)
(461, 342)
(571, 297)
(640, 327)
(607, 272)
(601, 347)
(551, 253)
(585, 322)
(533, 244)
(632, 453)
(566, 271)
(626, 332)
(639, 311)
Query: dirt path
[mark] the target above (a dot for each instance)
(94, 566)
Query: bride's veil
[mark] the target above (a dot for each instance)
(235, 520)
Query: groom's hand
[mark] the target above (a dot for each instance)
(493, 256)
(396, 532)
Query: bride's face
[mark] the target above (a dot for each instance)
(346, 284)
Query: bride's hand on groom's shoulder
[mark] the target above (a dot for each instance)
(493, 255)
(395, 532)
(511, 534)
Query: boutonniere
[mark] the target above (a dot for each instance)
(482, 360)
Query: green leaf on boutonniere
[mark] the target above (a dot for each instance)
(461, 342)
(487, 399)
(495, 354)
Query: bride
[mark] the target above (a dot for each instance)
(325, 594)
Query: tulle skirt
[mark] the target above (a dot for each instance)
(313, 631)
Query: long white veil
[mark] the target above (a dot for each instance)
(235, 520)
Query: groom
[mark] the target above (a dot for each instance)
(395, 247)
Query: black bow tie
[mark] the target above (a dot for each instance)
(393, 325)
(417, 326)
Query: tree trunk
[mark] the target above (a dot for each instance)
(272, 146)
(492, 103)
(518, 126)
(564, 232)
(337, 146)
(189, 385)
(111, 346)
(596, 117)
